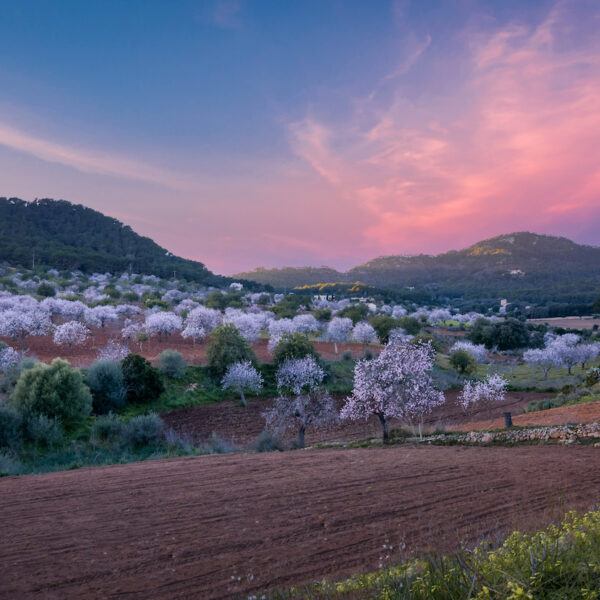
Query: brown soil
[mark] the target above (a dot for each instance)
(190, 527)
(44, 349)
(241, 426)
(589, 412)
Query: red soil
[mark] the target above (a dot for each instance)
(588, 412)
(241, 426)
(190, 527)
(44, 349)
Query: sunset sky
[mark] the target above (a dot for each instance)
(272, 133)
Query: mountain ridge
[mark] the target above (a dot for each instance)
(68, 236)
(523, 264)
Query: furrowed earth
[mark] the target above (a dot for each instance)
(231, 525)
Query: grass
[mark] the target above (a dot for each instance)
(197, 388)
(559, 562)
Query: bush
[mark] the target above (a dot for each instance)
(131, 296)
(43, 430)
(368, 354)
(267, 442)
(383, 324)
(106, 382)
(463, 362)
(172, 364)
(226, 346)
(293, 346)
(142, 381)
(12, 374)
(356, 312)
(509, 334)
(347, 355)
(216, 445)
(145, 430)
(56, 391)
(106, 429)
(10, 427)
(9, 465)
(46, 290)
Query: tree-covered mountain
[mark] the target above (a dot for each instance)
(69, 236)
(523, 266)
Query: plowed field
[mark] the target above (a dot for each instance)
(241, 425)
(588, 412)
(223, 526)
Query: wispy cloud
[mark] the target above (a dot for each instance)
(512, 146)
(89, 161)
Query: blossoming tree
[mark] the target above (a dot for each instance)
(242, 376)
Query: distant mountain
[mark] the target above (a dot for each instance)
(518, 266)
(72, 237)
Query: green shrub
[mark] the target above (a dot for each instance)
(268, 442)
(46, 290)
(44, 431)
(142, 381)
(107, 429)
(346, 355)
(56, 391)
(106, 382)
(216, 445)
(12, 374)
(383, 324)
(145, 430)
(368, 354)
(463, 362)
(292, 346)
(172, 364)
(592, 377)
(226, 346)
(130, 296)
(9, 464)
(356, 312)
(10, 427)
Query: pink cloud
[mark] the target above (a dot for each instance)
(515, 146)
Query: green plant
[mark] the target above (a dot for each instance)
(225, 347)
(46, 290)
(9, 464)
(56, 391)
(142, 381)
(10, 427)
(12, 374)
(268, 442)
(463, 362)
(106, 429)
(294, 345)
(43, 430)
(172, 364)
(106, 382)
(145, 430)
(346, 355)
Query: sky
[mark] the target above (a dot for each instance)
(247, 133)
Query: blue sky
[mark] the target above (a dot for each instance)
(247, 133)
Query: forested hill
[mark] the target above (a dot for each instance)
(522, 265)
(70, 236)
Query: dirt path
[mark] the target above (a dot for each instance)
(189, 528)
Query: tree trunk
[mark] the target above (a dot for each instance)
(384, 427)
(335, 347)
(243, 397)
(421, 430)
(569, 369)
(301, 436)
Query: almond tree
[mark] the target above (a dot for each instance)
(302, 401)
(364, 334)
(100, 315)
(397, 384)
(546, 358)
(338, 330)
(71, 333)
(19, 323)
(9, 357)
(242, 376)
(486, 393)
(163, 323)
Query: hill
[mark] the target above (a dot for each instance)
(520, 265)
(72, 237)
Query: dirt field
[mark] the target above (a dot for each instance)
(589, 412)
(241, 426)
(190, 527)
(568, 322)
(44, 349)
